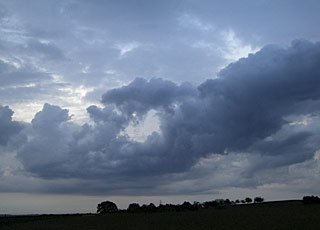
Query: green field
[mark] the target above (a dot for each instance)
(270, 215)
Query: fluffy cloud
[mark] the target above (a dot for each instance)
(140, 96)
(250, 119)
(8, 128)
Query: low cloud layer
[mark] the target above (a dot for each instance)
(260, 113)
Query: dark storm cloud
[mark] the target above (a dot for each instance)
(8, 128)
(249, 108)
(48, 143)
(141, 95)
(253, 96)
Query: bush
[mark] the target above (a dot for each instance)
(258, 200)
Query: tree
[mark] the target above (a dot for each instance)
(311, 200)
(248, 200)
(220, 203)
(197, 205)
(151, 207)
(134, 207)
(210, 204)
(106, 207)
(258, 200)
(227, 201)
(187, 206)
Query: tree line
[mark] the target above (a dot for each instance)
(110, 207)
(311, 200)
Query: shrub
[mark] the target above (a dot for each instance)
(258, 200)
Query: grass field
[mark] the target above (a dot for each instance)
(271, 215)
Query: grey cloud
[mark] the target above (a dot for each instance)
(3, 11)
(28, 93)
(87, 32)
(48, 139)
(141, 20)
(141, 95)
(62, 148)
(47, 50)
(248, 113)
(12, 76)
(166, 49)
(24, 83)
(8, 128)
(51, 116)
(290, 145)
(254, 95)
(268, 20)
(244, 110)
(176, 59)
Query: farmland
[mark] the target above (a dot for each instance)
(269, 215)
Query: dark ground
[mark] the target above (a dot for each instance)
(271, 215)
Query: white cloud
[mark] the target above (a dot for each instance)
(191, 21)
(125, 48)
(141, 130)
(234, 48)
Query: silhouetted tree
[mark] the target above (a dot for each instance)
(106, 207)
(248, 200)
(144, 208)
(161, 208)
(311, 200)
(170, 207)
(187, 206)
(134, 207)
(227, 201)
(220, 203)
(197, 205)
(258, 200)
(210, 204)
(151, 207)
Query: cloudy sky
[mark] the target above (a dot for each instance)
(142, 101)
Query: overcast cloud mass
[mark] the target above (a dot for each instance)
(128, 98)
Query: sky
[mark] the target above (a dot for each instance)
(149, 101)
